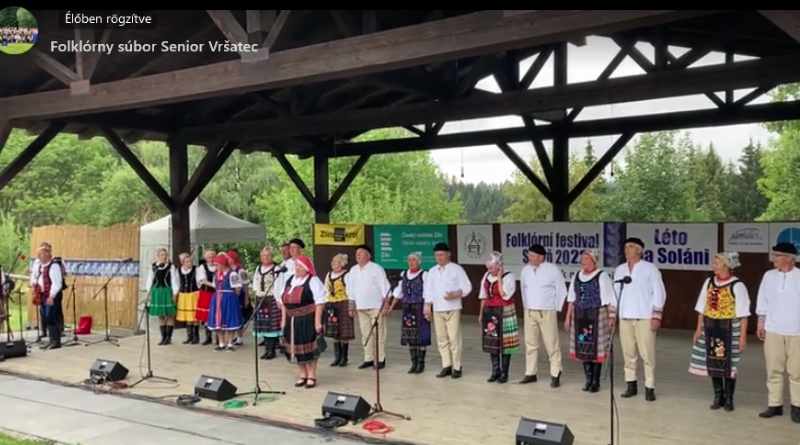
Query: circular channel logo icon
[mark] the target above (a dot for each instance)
(18, 30)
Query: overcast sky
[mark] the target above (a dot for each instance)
(488, 164)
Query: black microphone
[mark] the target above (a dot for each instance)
(126, 260)
(279, 270)
(624, 280)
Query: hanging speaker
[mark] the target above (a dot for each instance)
(107, 371)
(13, 349)
(214, 388)
(349, 407)
(539, 432)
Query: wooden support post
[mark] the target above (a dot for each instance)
(212, 162)
(86, 63)
(54, 67)
(235, 34)
(369, 21)
(787, 20)
(29, 153)
(5, 133)
(559, 187)
(598, 167)
(259, 22)
(178, 177)
(322, 207)
(526, 170)
(136, 165)
(348, 180)
(345, 22)
(295, 178)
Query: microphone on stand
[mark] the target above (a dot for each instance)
(279, 270)
(624, 280)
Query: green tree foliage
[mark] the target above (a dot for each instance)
(483, 203)
(25, 19)
(8, 17)
(781, 179)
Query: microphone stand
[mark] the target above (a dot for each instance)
(18, 291)
(257, 391)
(73, 299)
(149, 375)
(377, 407)
(104, 290)
(608, 370)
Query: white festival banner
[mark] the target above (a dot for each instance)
(475, 243)
(564, 243)
(677, 246)
(746, 237)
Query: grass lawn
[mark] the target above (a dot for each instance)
(5, 439)
(15, 48)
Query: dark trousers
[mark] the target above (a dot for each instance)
(53, 315)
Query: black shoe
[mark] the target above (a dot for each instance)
(555, 382)
(196, 335)
(382, 364)
(264, 356)
(495, 368)
(208, 340)
(730, 389)
(420, 362)
(189, 335)
(163, 330)
(366, 365)
(588, 370)
(528, 379)
(414, 353)
(771, 412)
(345, 355)
(269, 349)
(649, 394)
(445, 372)
(597, 372)
(51, 340)
(457, 373)
(794, 411)
(337, 354)
(505, 364)
(168, 339)
(219, 348)
(263, 342)
(632, 390)
(55, 335)
(719, 393)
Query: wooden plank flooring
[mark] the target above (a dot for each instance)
(457, 412)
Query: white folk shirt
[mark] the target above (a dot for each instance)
(443, 280)
(198, 274)
(779, 302)
(398, 290)
(174, 279)
(56, 278)
(35, 271)
(644, 297)
(316, 287)
(543, 287)
(260, 277)
(367, 286)
(607, 297)
(740, 294)
(509, 285)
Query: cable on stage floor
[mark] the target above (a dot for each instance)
(187, 400)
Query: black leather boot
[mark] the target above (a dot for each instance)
(794, 413)
(55, 336)
(445, 372)
(269, 347)
(588, 368)
(631, 390)
(597, 373)
(413, 352)
(420, 361)
(208, 340)
(337, 353)
(719, 393)
(730, 388)
(50, 340)
(196, 334)
(771, 411)
(168, 339)
(163, 330)
(495, 368)
(189, 334)
(505, 362)
(649, 394)
(345, 354)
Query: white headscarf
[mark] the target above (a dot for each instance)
(495, 259)
(417, 255)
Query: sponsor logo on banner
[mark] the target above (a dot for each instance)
(475, 243)
(677, 246)
(338, 234)
(393, 244)
(746, 237)
(564, 243)
(784, 233)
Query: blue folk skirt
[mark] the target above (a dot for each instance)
(224, 312)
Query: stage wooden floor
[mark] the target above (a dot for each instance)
(456, 412)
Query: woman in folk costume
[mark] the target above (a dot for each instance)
(591, 313)
(415, 329)
(339, 311)
(244, 300)
(721, 335)
(225, 313)
(162, 294)
(498, 317)
(205, 276)
(303, 302)
(188, 296)
(267, 323)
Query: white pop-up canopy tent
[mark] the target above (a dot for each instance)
(207, 225)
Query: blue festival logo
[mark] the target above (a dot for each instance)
(789, 235)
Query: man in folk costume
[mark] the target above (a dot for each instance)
(415, 328)
(35, 268)
(205, 275)
(295, 249)
(188, 295)
(543, 294)
(368, 288)
(721, 335)
(446, 285)
(498, 318)
(339, 311)
(285, 254)
(591, 314)
(49, 284)
(641, 305)
(778, 310)
(267, 323)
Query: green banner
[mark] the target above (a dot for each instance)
(393, 244)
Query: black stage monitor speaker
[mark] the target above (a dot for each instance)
(214, 388)
(107, 371)
(538, 432)
(347, 406)
(13, 349)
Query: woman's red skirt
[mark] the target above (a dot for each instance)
(203, 300)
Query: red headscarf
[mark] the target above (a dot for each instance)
(305, 263)
(234, 257)
(221, 259)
